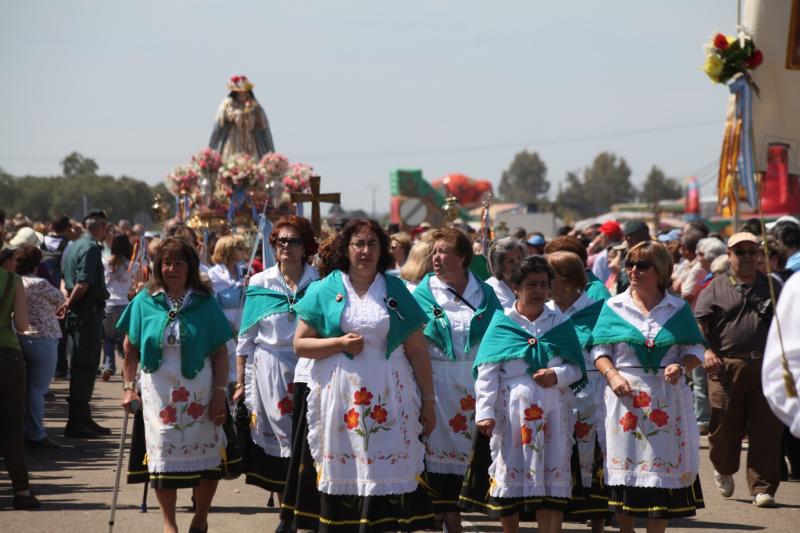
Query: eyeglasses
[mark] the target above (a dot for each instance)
(641, 266)
(285, 242)
(362, 245)
(741, 252)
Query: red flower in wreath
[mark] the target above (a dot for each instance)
(169, 415)
(286, 406)
(195, 410)
(351, 419)
(641, 400)
(527, 435)
(755, 60)
(659, 417)
(467, 403)
(362, 397)
(582, 429)
(180, 395)
(378, 414)
(720, 41)
(534, 412)
(458, 423)
(628, 422)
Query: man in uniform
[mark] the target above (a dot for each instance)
(85, 284)
(734, 312)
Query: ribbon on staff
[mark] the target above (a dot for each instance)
(240, 198)
(737, 175)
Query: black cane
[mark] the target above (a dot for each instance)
(143, 508)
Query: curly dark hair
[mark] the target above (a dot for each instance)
(178, 248)
(303, 227)
(530, 265)
(333, 252)
(28, 260)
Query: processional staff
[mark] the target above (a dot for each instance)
(315, 198)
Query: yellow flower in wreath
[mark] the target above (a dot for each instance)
(713, 67)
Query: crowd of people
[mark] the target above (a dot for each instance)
(389, 382)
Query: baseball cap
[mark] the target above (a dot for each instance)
(784, 218)
(670, 236)
(742, 236)
(634, 226)
(611, 228)
(536, 240)
(26, 237)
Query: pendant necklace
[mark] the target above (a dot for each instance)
(172, 315)
(291, 299)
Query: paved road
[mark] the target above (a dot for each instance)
(75, 484)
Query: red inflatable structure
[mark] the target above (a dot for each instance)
(468, 192)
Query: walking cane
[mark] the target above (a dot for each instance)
(143, 508)
(133, 408)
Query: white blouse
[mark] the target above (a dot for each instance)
(275, 332)
(458, 314)
(487, 384)
(503, 292)
(649, 325)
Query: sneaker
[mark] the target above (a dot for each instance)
(22, 502)
(764, 500)
(703, 429)
(107, 373)
(724, 484)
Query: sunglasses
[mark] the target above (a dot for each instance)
(285, 242)
(641, 266)
(746, 251)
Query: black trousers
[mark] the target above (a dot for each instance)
(85, 331)
(12, 404)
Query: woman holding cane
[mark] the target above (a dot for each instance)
(177, 331)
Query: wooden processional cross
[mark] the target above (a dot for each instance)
(315, 198)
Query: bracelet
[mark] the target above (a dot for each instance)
(238, 386)
(128, 385)
(221, 388)
(609, 369)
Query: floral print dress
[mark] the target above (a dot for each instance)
(363, 413)
(530, 443)
(179, 435)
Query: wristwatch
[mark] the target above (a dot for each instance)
(128, 385)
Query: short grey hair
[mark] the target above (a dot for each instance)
(497, 253)
(711, 248)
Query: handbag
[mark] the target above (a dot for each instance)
(232, 461)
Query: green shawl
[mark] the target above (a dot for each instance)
(506, 340)
(261, 303)
(437, 331)
(585, 319)
(203, 329)
(681, 328)
(325, 299)
(595, 289)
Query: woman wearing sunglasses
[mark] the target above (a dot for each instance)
(644, 343)
(265, 342)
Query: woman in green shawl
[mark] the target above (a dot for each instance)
(643, 344)
(177, 331)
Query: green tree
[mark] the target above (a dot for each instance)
(657, 187)
(525, 180)
(77, 165)
(605, 182)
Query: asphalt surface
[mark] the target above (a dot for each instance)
(75, 484)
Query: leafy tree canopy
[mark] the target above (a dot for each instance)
(525, 181)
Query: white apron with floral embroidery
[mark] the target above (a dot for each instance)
(271, 398)
(531, 442)
(651, 438)
(363, 413)
(448, 448)
(179, 436)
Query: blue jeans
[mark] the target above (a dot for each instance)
(112, 339)
(41, 355)
(702, 408)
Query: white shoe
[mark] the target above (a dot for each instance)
(764, 500)
(724, 484)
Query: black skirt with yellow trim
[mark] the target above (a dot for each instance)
(591, 502)
(444, 490)
(651, 502)
(139, 473)
(300, 506)
(475, 495)
(264, 470)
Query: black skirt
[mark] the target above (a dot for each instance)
(591, 502)
(649, 502)
(475, 495)
(444, 490)
(304, 507)
(137, 465)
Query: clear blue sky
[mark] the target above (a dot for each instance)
(357, 88)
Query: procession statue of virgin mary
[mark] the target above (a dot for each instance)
(241, 125)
